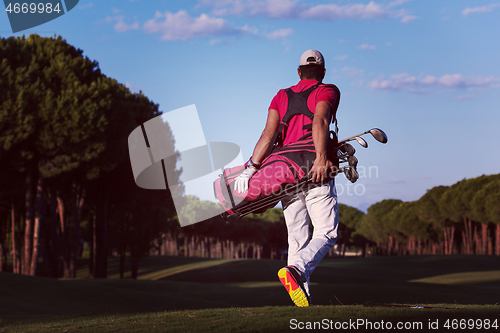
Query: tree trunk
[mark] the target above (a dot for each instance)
(469, 236)
(77, 204)
(449, 235)
(497, 240)
(64, 234)
(15, 253)
(46, 243)
(92, 267)
(3, 250)
(36, 247)
(37, 241)
(54, 233)
(484, 234)
(29, 221)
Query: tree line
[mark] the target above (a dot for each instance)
(66, 182)
(463, 218)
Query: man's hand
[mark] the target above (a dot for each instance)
(321, 168)
(241, 182)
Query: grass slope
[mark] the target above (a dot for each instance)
(271, 319)
(249, 288)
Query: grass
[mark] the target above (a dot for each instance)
(192, 294)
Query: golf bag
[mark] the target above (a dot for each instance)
(282, 173)
(285, 169)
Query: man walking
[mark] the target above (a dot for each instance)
(318, 202)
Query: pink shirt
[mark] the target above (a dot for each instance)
(280, 104)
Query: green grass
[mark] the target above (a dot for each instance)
(261, 319)
(191, 294)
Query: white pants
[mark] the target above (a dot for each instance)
(320, 204)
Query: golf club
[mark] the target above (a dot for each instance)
(362, 142)
(377, 133)
(353, 161)
(346, 149)
(350, 173)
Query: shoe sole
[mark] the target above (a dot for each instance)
(293, 288)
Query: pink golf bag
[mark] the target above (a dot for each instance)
(282, 173)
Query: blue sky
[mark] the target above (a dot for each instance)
(426, 72)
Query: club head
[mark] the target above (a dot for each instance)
(346, 149)
(379, 135)
(362, 142)
(353, 161)
(351, 174)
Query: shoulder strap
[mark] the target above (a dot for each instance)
(299, 99)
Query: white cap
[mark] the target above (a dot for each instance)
(312, 57)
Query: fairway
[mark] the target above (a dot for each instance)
(352, 287)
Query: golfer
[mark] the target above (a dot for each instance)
(318, 202)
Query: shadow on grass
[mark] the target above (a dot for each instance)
(192, 283)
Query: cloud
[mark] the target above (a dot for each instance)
(330, 12)
(280, 33)
(291, 9)
(429, 83)
(249, 30)
(482, 9)
(408, 18)
(181, 26)
(366, 47)
(268, 8)
(120, 25)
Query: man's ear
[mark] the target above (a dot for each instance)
(299, 72)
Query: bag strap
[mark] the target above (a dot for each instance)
(291, 112)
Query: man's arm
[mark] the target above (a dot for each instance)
(273, 121)
(320, 132)
(259, 152)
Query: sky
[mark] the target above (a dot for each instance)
(426, 72)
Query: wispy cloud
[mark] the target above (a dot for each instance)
(366, 47)
(280, 33)
(181, 26)
(292, 9)
(482, 9)
(429, 83)
(269, 8)
(120, 25)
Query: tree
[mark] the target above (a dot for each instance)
(63, 131)
(45, 83)
(456, 203)
(349, 221)
(428, 209)
(376, 227)
(486, 208)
